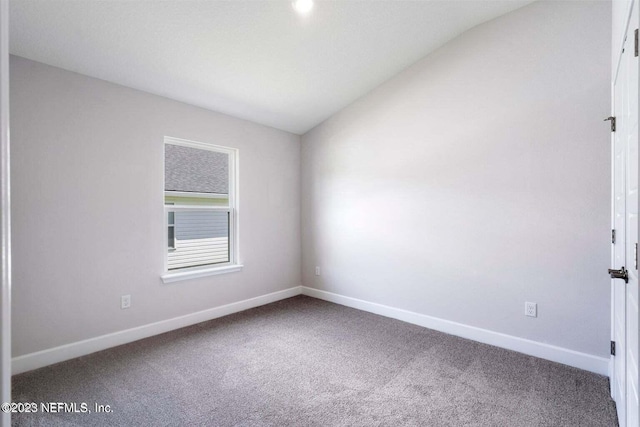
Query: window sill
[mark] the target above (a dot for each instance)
(204, 272)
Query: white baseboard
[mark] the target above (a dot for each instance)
(599, 365)
(573, 358)
(50, 356)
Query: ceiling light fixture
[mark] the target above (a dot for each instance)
(302, 6)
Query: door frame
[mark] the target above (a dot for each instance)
(5, 218)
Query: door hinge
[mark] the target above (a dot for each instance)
(613, 237)
(635, 38)
(635, 258)
(613, 123)
(613, 348)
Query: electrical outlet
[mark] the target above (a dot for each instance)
(125, 301)
(317, 271)
(531, 309)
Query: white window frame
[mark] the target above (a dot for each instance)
(208, 270)
(171, 248)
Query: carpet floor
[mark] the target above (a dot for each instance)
(306, 362)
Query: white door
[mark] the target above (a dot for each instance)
(625, 311)
(629, 132)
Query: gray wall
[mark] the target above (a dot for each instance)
(87, 206)
(476, 180)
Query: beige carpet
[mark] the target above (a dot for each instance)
(306, 362)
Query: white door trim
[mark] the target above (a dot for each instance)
(5, 219)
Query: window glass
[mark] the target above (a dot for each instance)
(199, 206)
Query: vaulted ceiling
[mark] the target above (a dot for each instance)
(257, 60)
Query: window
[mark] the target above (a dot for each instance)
(200, 209)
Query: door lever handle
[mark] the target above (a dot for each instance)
(619, 274)
(613, 123)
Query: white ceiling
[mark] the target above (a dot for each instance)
(256, 60)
